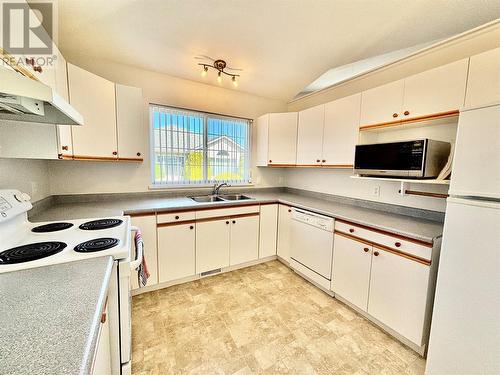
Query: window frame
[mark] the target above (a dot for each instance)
(206, 115)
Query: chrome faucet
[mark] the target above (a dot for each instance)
(217, 187)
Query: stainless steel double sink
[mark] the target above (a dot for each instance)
(219, 198)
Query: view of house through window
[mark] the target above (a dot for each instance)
(198, 148)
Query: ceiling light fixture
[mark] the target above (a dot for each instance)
(221, 67)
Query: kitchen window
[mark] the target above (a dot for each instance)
(198, 148)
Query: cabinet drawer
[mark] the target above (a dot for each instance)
(408, 246)
(176, 216)
(230, 211)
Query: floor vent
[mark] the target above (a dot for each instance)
(211, 272)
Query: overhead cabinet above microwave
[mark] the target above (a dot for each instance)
(436, 92)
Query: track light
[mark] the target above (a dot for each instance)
(235, 82)
(220, 66)
(204, 71)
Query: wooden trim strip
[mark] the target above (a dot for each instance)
(140, 160)
(385, 248)
(95, 158)
(8, 59)
(434, 116)
(227, 217)
(425, 194)
(418, 242)
(159, 225)
(338, 166)
(282, 165)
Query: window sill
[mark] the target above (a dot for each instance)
(193, 186)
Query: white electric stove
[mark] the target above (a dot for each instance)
(25, 245)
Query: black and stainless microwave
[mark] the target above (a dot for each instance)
(421, 158)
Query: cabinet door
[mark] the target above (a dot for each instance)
(310, 135)
(340, 134)
(176, 252)
(244, 239)
(284, 221)
(94, 98)
(268, 230)
(351, 270)
(483, 85)
(441, 89)
(398, 293)
(382, 104)
(102, 359)
(212, 245)
(147, 225)
(262, 140)
(129, 122)
(282, 138)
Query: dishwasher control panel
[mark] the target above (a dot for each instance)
(311, 218)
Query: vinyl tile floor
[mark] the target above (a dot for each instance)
(263, 319)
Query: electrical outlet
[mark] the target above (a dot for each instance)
(376, 191)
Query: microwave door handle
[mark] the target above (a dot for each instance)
(139, 252)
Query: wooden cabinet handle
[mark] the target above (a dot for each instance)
(376, 253)
(398, 244)
(406, 113)
(234, 221)
(191, 227)
(65, 148)
(270, 161)
(351, 230)
(115, 152)
(394, 115)
(103, 317)
(38, 69)
(138, 154)
(177, 218)
(227, 222)
(30, 61)
(289, 210)
(323, 161)
(317, 160)
(366, 249)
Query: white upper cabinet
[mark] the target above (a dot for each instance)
(483, 86)
(262, 149)
(382, 104)
(94, 98)
(340, 134)
(282, 138)
(434, 91)
(129, 121)
(310, 136)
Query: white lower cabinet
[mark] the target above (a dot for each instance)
(398, 293)
(244, 243)
(284, 221)
(102, 357)
(176, 251)
(351, 270)
(212, 244)
(268, 230)
(147, 225)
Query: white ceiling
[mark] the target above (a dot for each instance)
(282, 45)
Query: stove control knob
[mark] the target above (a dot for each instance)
(22, 197)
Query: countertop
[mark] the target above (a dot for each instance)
(51, 316)
(412, 227)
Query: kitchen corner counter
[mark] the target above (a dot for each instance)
(51, 317)
(412, 227)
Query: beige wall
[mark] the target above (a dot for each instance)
(68, 177)
(28, 175)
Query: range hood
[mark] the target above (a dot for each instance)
(27, 100)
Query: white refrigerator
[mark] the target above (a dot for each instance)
(465, 330)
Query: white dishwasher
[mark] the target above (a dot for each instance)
(311, 246)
